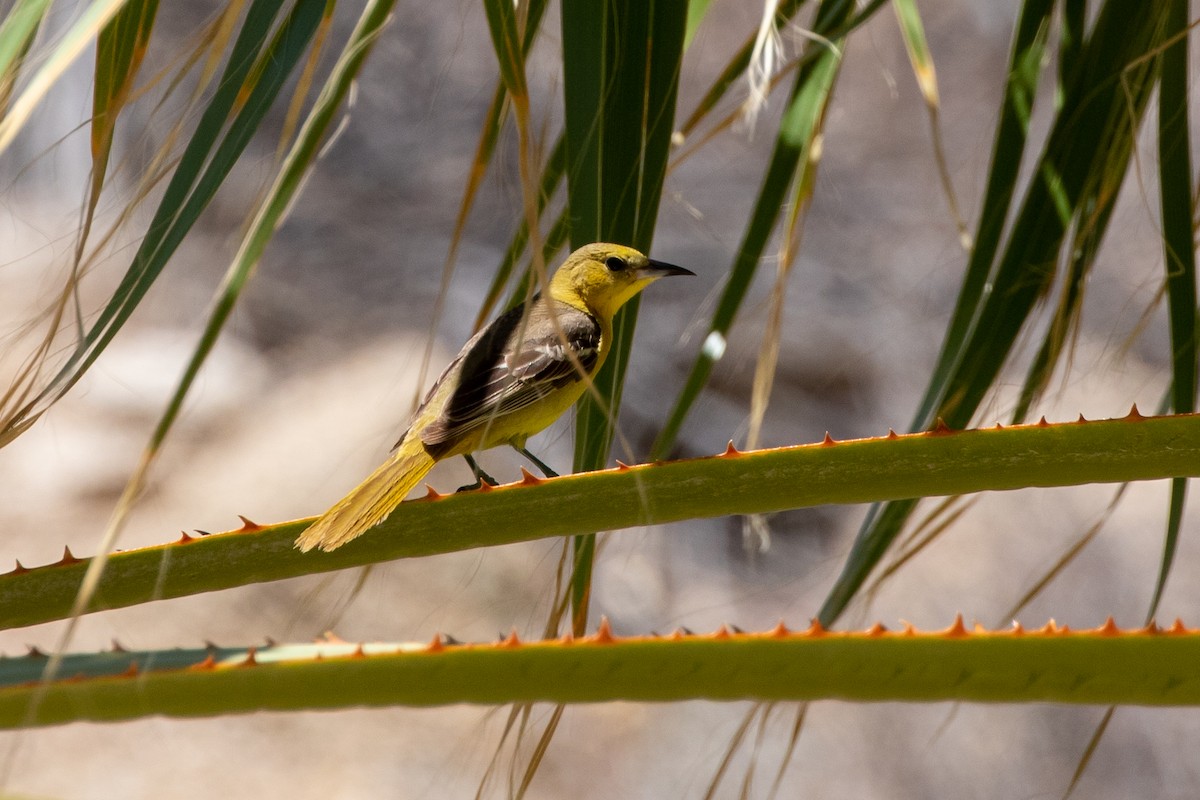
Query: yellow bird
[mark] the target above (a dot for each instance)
(511, 380)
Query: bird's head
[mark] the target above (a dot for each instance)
(600, 278)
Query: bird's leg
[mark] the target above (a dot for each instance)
(537, 462)
(480, 476)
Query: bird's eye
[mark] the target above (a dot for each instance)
(614, 264)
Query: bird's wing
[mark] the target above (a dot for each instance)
(498, 375)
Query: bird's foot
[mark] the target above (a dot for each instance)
(481, 477)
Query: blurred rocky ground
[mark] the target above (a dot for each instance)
(318, 371)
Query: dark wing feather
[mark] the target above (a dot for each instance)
(499, 375)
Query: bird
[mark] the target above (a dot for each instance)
(511, 380)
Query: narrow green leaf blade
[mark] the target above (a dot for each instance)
(206, 160)
(17, 32)
(506, 40)
(621, 67)
(281, 196)
(66, 49)
(1087, 154)
(1024, 71)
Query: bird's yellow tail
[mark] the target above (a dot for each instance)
(369, 503)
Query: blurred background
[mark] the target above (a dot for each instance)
(314, 380)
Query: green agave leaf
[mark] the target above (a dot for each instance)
(1143, 667)
(861, 471)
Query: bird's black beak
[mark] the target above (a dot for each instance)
(661, 269)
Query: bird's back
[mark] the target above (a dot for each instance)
(514, 379)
